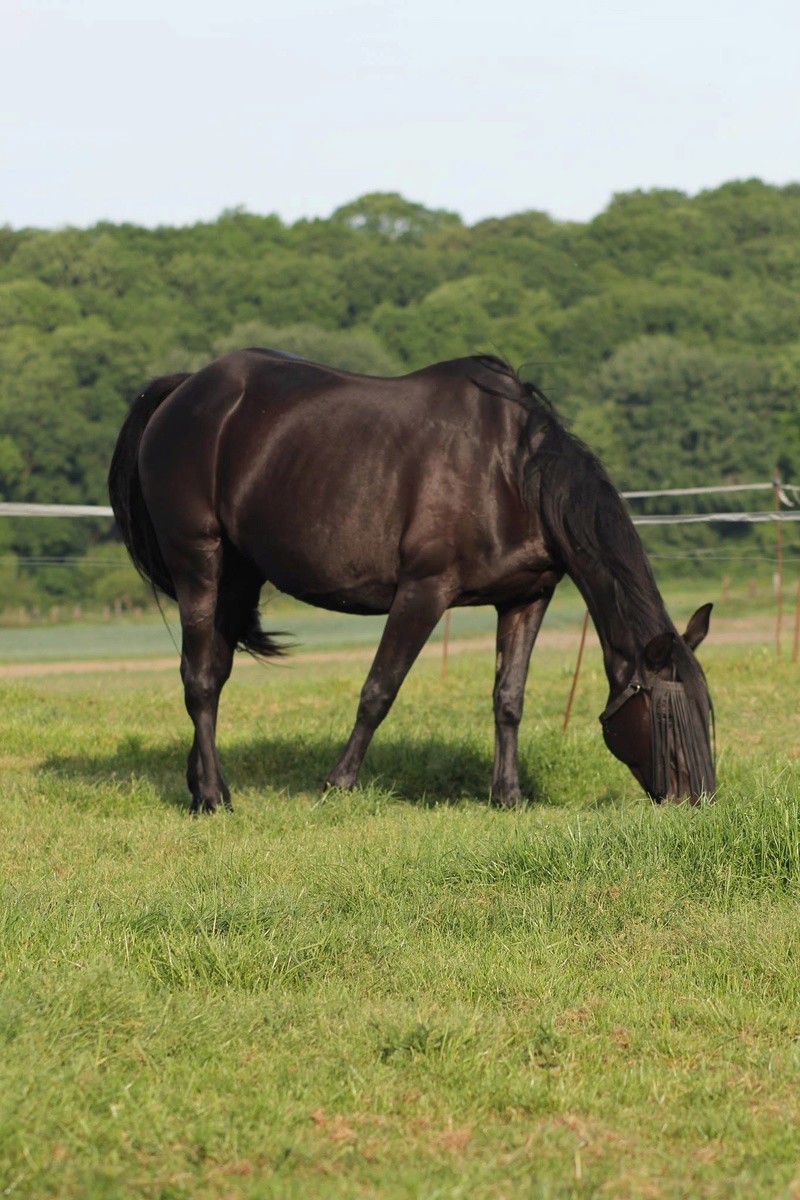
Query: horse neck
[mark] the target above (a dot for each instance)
(592, 536)
(625, 622)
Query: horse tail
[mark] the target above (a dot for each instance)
(258, 642)
(125, 488)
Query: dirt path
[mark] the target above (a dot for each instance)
(725, 631)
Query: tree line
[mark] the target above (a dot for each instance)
(666, 329)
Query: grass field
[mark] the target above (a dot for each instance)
(399, 992)
(309, 628)
(312, 629)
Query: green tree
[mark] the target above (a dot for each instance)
(351, 349)
(388, 215)
(388, 273)
(12, 467)
(29, 302)
(677, 415)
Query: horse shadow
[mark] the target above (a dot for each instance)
(425, 773)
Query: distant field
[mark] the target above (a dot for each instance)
(310, 628)
(399, 992)
(314, 629)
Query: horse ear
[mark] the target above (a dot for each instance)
(658, 652)
(697, 628)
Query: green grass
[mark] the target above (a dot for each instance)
(398, 992)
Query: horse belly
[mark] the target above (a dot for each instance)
(321, 553)
(345, 584)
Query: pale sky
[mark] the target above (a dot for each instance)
(169, 111)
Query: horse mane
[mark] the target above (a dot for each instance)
(589, 522)
(593, 533)
(589, 528)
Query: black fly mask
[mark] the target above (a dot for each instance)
(679, 733)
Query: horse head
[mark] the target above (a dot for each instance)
(660, 723)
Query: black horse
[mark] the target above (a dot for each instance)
(454, 485)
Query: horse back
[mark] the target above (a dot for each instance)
(338, 484)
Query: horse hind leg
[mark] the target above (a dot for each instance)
(221, 660)
(215, 606)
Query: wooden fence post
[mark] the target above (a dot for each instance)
(574, 687)
(445, 643)
(776, 481)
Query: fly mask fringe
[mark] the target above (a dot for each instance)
(677, 732)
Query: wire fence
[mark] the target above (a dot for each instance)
(786, 494)
(783, 516)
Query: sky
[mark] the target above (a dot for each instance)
(171, 111)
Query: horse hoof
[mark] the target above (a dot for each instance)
(336, 785)
(209, 806)
(513, 800)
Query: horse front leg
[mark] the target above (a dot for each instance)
(516, 634)
(417, 608)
